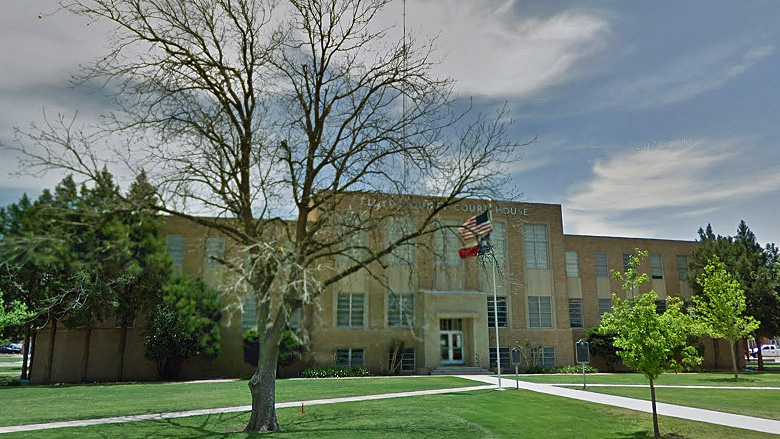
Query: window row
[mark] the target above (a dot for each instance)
(576, 319)
(350, 311)
(541, 356)
(349, 357)
(214, 250)
(602, 266)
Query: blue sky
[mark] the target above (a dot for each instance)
(654, 118)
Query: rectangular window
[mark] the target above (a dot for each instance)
(543, 357)
(215, 248)
(660, 306)
(118, 321)
(498, 241)
(502, 312)
(397, 228)
(353, 240)
(349, 357)
(575, 313)
(536, 246)
(626, 261)
(656, 267)
(408, 360)
(175, 246)
(349, 313)
(400, 311)
(295, 319)
(682, 267)
(602, 269)
(540, 312)
(248, 312)
(605, 305)
(451, 324)
(446, 245)
(506, 360)
(572, 264)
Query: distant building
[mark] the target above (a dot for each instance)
(552, 286)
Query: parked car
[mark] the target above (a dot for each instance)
(767, 350)
(12, 348)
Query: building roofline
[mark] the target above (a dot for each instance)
(565, 235)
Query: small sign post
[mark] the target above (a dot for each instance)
(516, 356)
(582, 349)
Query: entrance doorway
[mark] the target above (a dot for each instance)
(451, 341)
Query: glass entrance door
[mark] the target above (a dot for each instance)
(451, 341)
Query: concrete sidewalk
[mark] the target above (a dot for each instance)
(243, 408)
(675, 411)
(701, 415)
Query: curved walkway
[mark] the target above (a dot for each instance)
(676, 411)
(490, 382)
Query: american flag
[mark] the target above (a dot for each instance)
(476, 226)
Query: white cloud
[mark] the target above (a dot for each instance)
(629, 189)
(492, 50)
(686, 77)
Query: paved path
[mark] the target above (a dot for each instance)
(243, 408)
(675, 411)
(709, 416)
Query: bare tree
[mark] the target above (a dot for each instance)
(279, 126)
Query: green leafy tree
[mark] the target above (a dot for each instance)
(602, 344)
(649, 342)
(721, 307)
(750, 264)
(12, 315)
(185, 324)
(148, 267)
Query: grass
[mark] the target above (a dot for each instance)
(479, 414)
(53, 403)
(10, 358)
(669, 379)
(761, 403)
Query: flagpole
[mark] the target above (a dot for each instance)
(495, 302)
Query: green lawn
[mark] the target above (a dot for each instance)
(761, 403)
(681, 379)
(480, 414)
(53, 403)
(5, 358)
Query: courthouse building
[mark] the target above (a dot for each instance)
(551, 286)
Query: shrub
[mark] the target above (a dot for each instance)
(335, 372)
(533, 369)
(290, 347)
(575, 369)
(184, 324)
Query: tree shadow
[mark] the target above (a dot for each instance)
(647, 435)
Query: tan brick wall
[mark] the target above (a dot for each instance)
(468, 302)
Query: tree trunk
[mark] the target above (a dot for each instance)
(26, 354)
(759, 354)
(732, 347)
(716, 352)
(122, 349)
(656, 431)
(50, 358)
(85, 358)
(33, 342)
(262, 385)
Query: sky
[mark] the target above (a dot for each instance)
(653, 118)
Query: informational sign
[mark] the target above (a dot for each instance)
(583, 352)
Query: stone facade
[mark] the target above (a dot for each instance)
(436, 303)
